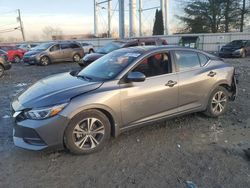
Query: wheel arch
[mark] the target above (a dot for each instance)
(108, 112)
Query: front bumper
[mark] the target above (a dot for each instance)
(30, 60)
(40, 134)
(229, 54)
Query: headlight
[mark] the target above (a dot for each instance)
(43, 113)
(237, 51)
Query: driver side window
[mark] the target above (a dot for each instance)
(55, 48)
(155, 65)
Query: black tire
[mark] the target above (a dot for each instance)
(16, 59)
(44, 60)
(1, 71)
(76, 58)
(80, 123)
(213, 108)
(91, 51)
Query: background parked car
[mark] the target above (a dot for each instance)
(14, 54)
(47, 53)
(4, 63)
(26, 46)
(236, 48)
(87, 47)
(114, 45)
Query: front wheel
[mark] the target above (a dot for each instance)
(17, 59)
(87, 132)
(44, 61)
(218, 102)
(76, 58)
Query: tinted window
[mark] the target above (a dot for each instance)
(186, 60)
(109, 47)
(74, 45)
(155, 65)
(55, 48)
(203, 59)
(150, 43)
(65, 46)
(85, 44)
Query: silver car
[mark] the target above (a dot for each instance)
(124, 89)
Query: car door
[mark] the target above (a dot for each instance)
(154, 98)
(55, 53)
(67, 51)
(195, 80)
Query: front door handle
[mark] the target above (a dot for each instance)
(211, 73)
(171, 83)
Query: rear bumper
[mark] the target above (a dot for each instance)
(40, 134)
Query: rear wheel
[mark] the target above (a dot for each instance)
(1, 71)
(87, 132)
(218, 102)
(76, 58)
(44, 61)
(16, 59)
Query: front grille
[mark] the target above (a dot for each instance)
(29, 135)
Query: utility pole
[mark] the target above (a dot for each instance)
(109, 18)
(132, 18)
(95, 19)
(121, 19)
(19, 19)
(140, 17)
(243, 12)
(166, 17)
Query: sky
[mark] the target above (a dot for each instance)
(72, 17)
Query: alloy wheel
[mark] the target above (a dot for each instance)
(219, 102)
(17, 59)
(88, 133)
(44, 61)
(76, 58)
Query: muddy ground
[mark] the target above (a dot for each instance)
(205, 151)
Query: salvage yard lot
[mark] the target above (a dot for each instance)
(206, 151)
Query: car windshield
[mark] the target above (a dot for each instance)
(44, 46)
(109, 47)
(238, 43)
(108, 66)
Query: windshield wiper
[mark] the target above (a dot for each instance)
(84, 77)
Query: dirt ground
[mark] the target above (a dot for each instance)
(205, 151)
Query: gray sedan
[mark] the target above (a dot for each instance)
(127, 88)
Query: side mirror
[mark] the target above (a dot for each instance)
(136, 77)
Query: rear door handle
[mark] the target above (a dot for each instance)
(171, 83)
(211, 73)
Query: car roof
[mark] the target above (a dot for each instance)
(148, 49)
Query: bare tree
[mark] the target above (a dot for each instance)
(49, 31)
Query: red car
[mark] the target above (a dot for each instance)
(14, 54)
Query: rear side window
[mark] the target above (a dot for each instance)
(186, 60)
(203, 59)
(65, 46)
(74, 45)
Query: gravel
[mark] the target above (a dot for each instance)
(191, 149)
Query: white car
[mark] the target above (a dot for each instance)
(87, 47)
